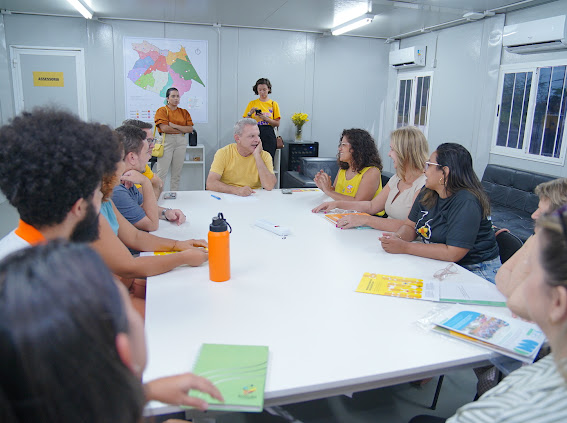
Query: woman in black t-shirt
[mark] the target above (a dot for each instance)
(450, 216)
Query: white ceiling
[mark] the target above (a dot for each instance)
(393, 18)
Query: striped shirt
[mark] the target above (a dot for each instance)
(536, 394)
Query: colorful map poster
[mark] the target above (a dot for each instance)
(152, 65)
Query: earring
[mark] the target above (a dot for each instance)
(441, 181)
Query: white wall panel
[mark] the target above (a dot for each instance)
(350, 85)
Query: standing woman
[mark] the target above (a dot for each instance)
(450, 216)
(267, 114)
(173, 122)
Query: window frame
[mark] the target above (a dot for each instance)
(523, 153)
(413, 76)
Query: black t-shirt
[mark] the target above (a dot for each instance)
(456, 221)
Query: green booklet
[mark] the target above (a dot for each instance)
(238, 371)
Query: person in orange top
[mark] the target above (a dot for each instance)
(173, 122)
(55, 190)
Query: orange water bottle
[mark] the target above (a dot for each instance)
(219, 249)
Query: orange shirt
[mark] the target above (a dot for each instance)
(179, 116)
(29, 233)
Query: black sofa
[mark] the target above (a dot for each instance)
(512, 198)
(309, 166)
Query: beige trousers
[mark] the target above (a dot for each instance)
(173, 156)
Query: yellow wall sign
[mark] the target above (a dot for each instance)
(48, 79)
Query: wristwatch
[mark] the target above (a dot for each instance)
(163, 213)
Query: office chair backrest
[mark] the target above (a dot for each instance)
(508, 244)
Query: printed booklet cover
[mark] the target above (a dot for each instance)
(238, 371)
(431, 290)
(505, 334)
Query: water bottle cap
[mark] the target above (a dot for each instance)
(219, 224)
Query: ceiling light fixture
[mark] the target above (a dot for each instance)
(81, 8)
(353, 24)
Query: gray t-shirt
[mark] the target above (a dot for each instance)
(457, 221)
(129, 203)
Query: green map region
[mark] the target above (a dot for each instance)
(156, 70)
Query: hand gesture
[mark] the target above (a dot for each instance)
(392, 243)
(325, 207)
(258, 150)
(244, 191)
(195, 256)
(175, 390)
(190, 243)
(132, 177)
(352, 221)
(252, 111)
(323, 181)
(175, 215)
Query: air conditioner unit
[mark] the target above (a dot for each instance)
(536, 36)
(407, 57)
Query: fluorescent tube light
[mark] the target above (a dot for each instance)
(81, 8)
(353, 24)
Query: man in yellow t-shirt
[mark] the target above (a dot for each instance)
(157, 183)
(244, 166)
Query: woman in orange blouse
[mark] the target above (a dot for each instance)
(173, 122)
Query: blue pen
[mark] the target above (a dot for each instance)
(214, 196)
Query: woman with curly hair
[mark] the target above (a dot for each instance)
(359, 176)
(116, 235)
(409, 151)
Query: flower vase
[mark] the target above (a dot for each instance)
(298, 132)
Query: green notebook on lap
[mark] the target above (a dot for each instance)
(238, 371)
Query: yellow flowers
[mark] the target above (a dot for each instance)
(299, 119)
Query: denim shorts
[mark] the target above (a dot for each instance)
(486, 269)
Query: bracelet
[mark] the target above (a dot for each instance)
(163, 213)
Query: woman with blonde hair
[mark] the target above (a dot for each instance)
(409, 151)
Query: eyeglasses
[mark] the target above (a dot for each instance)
(427, 164)
(451, 269)
(151, 140)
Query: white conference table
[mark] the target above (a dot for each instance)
(297, 296)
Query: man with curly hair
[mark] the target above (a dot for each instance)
(52, 176)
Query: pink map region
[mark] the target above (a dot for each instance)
(181, 84)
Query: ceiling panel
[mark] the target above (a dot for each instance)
(392, 17)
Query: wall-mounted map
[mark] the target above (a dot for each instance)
(152, 65)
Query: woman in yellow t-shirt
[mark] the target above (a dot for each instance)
(359, 176)
(266, 112)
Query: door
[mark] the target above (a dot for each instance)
(45, 76)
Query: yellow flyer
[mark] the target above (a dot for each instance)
(395, 286)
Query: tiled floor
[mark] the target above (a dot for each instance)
(396, 404)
